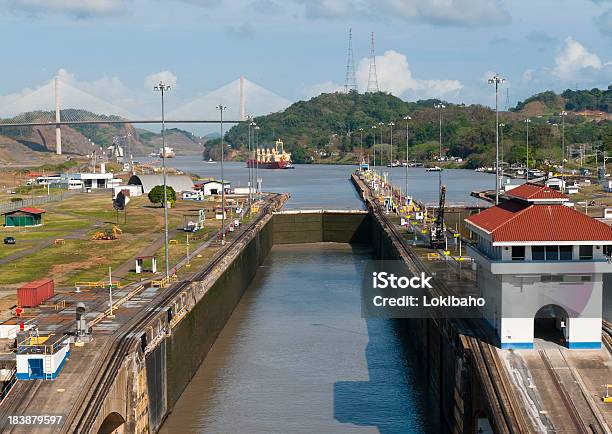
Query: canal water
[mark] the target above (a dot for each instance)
(314, 186)
(296, 357)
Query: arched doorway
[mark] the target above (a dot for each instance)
(112, 424)
(551, 323)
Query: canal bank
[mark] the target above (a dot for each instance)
(296, 356)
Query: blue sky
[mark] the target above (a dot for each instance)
(115, 49)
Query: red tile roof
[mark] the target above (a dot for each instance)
(511, 221)
(531, 192)
(32, 210)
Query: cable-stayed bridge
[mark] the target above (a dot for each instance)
(44, 107)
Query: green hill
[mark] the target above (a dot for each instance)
(331, 122)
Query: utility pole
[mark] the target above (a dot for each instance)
(250, 161)
(361, 144)
(110, 293)
(501, 151)
(221, 108)
(496, 80)
(374, 148)
(563, 115)
(382, 166)
(527, 122)
(407, 118)
(391, 124)
(256, 128)
(350, 82)
(440, 106)
(162, 88)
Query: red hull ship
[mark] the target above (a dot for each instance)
(270, 165)
(275, 158)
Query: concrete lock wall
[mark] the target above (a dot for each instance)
(322, 226)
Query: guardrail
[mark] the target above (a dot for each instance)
(35, 201)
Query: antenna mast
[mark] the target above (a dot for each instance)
(373, 77)
(350, 82)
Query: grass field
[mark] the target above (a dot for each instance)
(82, 259)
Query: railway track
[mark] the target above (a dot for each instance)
(83, 417)
(497, 383)
(508, 416)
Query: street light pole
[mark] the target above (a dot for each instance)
(221, 107)
(361, 144)
(496, 80)
(391, 124)
(381, 124)
(440, 106)
(162, 88)
(407, 118)
(256, 161)
(527, 122)
(501, 151)
(563, 115)
(374, 149)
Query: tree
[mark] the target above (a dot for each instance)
(156, 195)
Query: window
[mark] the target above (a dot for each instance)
(565, 253)
(585, 278)
(586, 253)
(518, 253)
(552, 253)
(551, 278)
(537, 253)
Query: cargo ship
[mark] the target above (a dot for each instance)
(275, 158)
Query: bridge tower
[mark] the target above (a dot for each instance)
(242, 100)
(58, 131)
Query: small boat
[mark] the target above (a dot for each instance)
(166, 152)
(434, 169)
(396, 164)
(154, 154)
(210, 161)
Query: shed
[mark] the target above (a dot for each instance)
(212, 187)
(24, 217)
(179, 183)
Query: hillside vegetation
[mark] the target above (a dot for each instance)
(332, 122)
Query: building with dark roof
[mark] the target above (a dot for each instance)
(540, 267)
(25, 216)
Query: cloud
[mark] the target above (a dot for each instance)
(266, 7)
(439, 12)
(574, 61)
(166, 77)
(328, 9)
(394, 76)
(202, 3)
(540, 38)
(77, 8)
(245, 30)
(604, 23)
(528, 74)
(325, 87)
(453, 12)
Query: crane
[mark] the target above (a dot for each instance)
(437, 238)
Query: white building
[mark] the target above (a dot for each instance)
(179, 183)
(90, 180)
(540, 267)
(193, 195)
(607, 185)
(213, 187)
(128, 190)
(41, 357)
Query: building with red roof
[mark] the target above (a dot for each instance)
(26, 216)
(540, 266)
